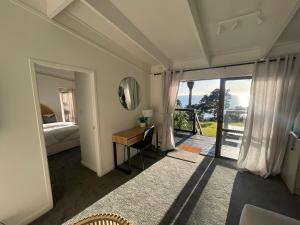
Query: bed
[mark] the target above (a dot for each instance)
(59, 136)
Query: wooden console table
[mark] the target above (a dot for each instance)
(128, 138)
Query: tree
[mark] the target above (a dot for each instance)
(210, 103)
(181, 120)
(178, 103)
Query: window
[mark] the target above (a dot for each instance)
(67, 102)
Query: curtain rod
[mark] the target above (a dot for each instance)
(224, 66)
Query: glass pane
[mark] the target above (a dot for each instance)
(236, 101)
(183, 119)
(231, 143)
(202, 96)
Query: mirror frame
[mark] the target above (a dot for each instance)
(139, 93)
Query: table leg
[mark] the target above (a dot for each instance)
(129, 159)
(156, 140)
(116, 158)
(115, 154)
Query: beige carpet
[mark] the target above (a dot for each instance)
(213, 204)
(145, 199)
(210, 192)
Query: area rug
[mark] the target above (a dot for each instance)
(145, 199)
(185, 155)
(210, 205)
(177, 192)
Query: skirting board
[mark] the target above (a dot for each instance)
(35, 215)
(88, 166)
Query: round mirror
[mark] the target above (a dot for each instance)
(129, 93)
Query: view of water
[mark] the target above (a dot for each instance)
(234, 100)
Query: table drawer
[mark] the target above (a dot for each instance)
(120, 140)
(135, 139)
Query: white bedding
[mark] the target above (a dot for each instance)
(56, 133)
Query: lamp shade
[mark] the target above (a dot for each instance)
(147, 113)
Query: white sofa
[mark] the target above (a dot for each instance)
(252, 215)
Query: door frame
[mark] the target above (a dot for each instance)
(221, 112)
(91, 73)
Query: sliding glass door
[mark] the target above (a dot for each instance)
(233, 105)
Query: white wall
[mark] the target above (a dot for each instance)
(48, 88)
(23, 192)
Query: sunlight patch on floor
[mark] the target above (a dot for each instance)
(213, 204)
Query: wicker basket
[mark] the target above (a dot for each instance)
(104, 219)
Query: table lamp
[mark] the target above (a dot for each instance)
(148, 113)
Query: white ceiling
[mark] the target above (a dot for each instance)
(40, 5)
(159, 33)
(168, 24)
(83, 12)
(248, 34)
(292, 31)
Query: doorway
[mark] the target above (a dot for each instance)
(210, 115)
(67, 122)
(196, 116)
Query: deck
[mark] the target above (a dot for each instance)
(207, 144)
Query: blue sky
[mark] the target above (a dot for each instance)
(236, 87)
(200, 87)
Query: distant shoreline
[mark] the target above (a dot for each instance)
(184, 99)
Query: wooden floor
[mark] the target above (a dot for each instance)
(207, 144)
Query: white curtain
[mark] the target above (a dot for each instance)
(171, 80)
(273, 107)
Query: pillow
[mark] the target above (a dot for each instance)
(49, 118)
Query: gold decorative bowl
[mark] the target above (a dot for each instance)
(104, 219)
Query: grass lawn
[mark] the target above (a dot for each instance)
(209, 128)
(239, 124)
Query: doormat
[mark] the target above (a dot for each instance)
(185, 155)
(189, 148)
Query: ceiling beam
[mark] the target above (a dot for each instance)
(292, 10)
(109, 11)
(199, 31)
(54, 7)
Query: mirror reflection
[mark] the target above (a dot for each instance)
(129, 93)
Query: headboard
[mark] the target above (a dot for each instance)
(46, 110)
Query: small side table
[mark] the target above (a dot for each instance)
(128, 138)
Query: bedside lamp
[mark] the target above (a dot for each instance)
(148, 113)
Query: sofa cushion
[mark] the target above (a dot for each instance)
(252, 215)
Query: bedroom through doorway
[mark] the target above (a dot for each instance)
(68, 121)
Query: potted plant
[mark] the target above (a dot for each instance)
(143, 121)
